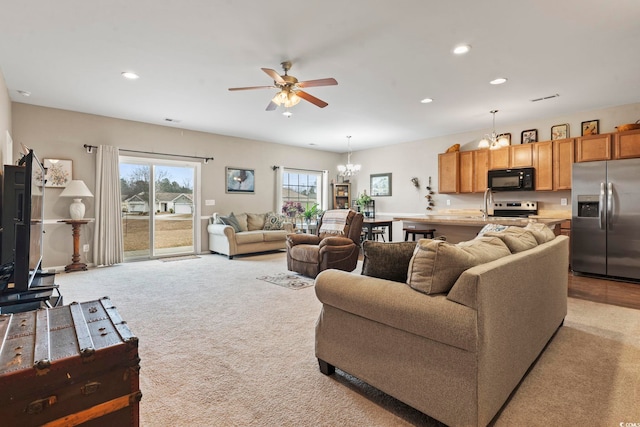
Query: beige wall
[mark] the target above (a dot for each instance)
(60, 134)
(5, 115)
(54, 133)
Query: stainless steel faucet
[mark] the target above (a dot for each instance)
(487, 200)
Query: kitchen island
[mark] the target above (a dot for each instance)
(458, 228)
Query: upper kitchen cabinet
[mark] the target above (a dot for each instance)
(563, 157)
(480, 169)
(626, 144)
(448, 172)
(499, 158)
(520, 156)
(466, 171)
(594, 147)
(543, 164)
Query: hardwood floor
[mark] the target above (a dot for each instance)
(605, 291)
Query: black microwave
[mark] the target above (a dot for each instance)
(521, 179)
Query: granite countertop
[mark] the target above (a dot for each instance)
(478, 220)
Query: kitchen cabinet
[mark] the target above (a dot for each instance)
(341, 196)
(594, 147)
(626, 144)
(480, 169)
(543, 164)
(563, 158)
(448, 172)
(520, 156)
(466, 171)
(499, 159)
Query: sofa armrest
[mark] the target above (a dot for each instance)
(223, 230)
(336, 241)
(302, 239)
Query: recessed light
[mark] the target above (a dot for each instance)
(498, 81)
(24, 93)
(426, 100)
(461, 49)
(130, 75)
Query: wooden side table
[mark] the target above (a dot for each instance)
(75, 265)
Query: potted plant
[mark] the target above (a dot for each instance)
(363, 202)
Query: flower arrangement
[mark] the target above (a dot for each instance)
(292, 209)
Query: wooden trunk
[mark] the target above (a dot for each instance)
(69, 365)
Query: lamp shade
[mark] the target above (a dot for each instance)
(76, 189)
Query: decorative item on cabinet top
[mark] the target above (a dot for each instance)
(453, 148)
(590, 127)
(528, 136)
(560, 131)
(630, 126)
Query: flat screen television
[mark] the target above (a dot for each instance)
(23, 220)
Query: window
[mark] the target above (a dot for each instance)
(303, 186)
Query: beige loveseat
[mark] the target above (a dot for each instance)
(455, 355)
(247, 233)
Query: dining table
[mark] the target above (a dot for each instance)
(369, 223)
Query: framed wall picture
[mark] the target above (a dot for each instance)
(380, 184)
(59, 172)
(590, 127)
(529, 136)
(239, 180)
(560, 131)
(505, 135)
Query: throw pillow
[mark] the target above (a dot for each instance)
(255, 221)
(388, 260)
(230, 220)
(541, 232)
(517, 239)
(274, 221)
(436, 265)
(491, 227)
(242, 221)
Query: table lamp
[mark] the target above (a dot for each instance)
(76, 189)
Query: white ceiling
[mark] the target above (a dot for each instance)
(385, 55)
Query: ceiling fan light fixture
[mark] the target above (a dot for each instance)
(287, 114)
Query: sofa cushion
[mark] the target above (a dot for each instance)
(274, 221)
(541, 232)
(388, 260)
(230, 220)
(436, 265)
(255, 221)
(242, 221)
(275, 235)
(256, 236)
(517, 239)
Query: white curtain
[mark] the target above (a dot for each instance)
(108, 248)
(278, 193)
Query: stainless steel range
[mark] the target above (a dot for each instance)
(519, 209)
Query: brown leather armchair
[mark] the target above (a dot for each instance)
(309, 254)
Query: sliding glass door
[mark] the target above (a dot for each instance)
(158, 207)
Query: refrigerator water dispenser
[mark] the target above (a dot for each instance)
(588, 206)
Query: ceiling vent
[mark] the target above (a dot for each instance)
(546, 97)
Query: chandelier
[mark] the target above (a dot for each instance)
(493, 141)
(349, 169)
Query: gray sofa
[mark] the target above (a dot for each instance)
(455, 355)
(253, 233)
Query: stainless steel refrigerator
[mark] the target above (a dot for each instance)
(605, 224)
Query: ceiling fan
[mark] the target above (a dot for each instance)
(290, 88)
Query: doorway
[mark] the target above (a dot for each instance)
(159, 206)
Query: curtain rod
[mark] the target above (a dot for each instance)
(296, 169)
(90, 148)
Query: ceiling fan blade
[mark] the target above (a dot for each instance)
(272, 106)
(312, 99)
(252, 87)
(274, 75)
(319, 82)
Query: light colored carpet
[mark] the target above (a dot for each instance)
(222, 348)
